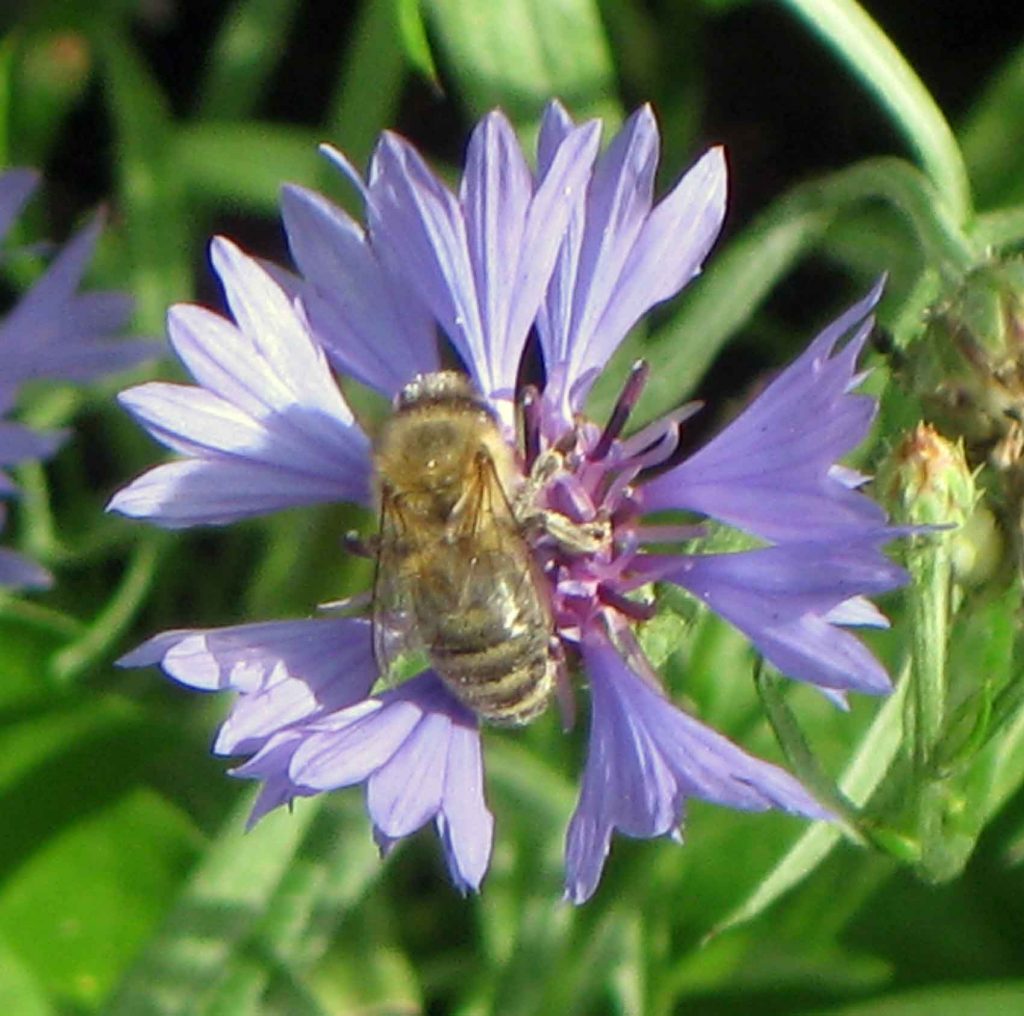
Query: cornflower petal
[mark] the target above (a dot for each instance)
(418, 751)
(772, 470)
(789, 598)
(481, 262)
(620, 257)
(268, 430)
(16, 187)
(373, 329)
(465, 825)
(17, 572)
(54, 332)
(645, 759)
(285, 671)
(20, 444)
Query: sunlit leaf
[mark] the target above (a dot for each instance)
(81, 905)
(223, 903)
(413, 33)
(521, 53)
(244, 164)
(866, 770)
(20, 991)
(156, 218)
(50, 68)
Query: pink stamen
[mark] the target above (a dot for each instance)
(624, 405)
(630, 608)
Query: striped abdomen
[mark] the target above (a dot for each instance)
(492, 648)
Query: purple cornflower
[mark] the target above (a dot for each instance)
(52, 332)
(578, 251)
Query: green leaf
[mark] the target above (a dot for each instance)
(150, 193)
(51, 67)
(29, 633)
(993, 998)
(281, 966)
(857, 39)
(802, 760)
(366, 971)
(369, 87)
(115, 616)
(241, 991)
(244, 55)
(222, 904)
(6, 76)
(865, 772)
(993, 134)
(1001, 228)
(413, 33)
(520, 53)
(528, 779)
(20, 991)
(81, 904)
(244, 164)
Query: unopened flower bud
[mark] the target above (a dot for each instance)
(968, 364)
(926, 480)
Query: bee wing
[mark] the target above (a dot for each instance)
(394, 631)
(422, 589)
(488, 547)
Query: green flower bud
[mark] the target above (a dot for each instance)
(926, 480)
(978, 550)
(968, 365)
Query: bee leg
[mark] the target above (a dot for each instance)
(546, 466)
(346, 607)
(361, 546)
(572, 537)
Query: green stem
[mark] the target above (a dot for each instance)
(869, 53)
(116, 615)
(40, 616)
(900, 184)
(1001, 228)
(931, 569)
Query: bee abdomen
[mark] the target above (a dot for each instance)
(505, 682)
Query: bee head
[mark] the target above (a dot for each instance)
(444, 386)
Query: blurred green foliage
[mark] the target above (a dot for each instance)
(126, 883)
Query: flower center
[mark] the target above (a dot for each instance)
(579, 506)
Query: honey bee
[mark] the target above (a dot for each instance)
(455, 575)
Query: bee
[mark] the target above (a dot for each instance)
(455, 575)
